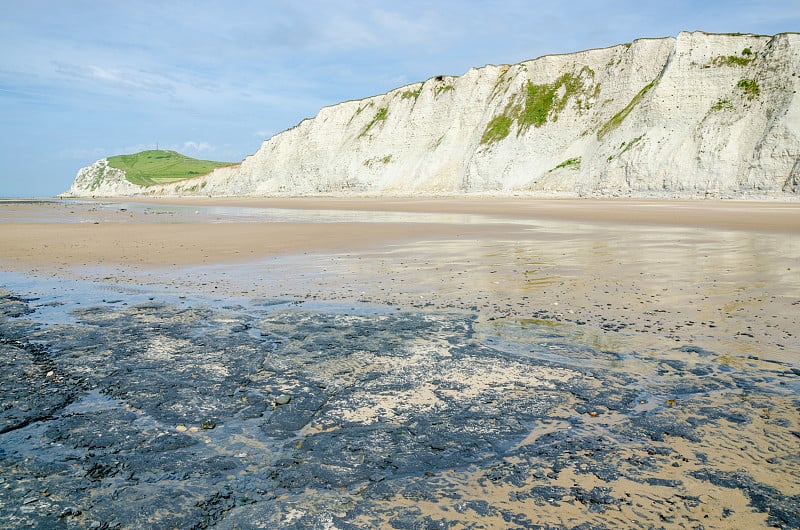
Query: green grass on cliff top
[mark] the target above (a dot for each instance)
(161, 167)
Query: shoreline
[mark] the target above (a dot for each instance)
(503, 260)
(768, 215)
(171, 233)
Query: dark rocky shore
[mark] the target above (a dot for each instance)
(148, 411)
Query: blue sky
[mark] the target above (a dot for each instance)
(81, 80)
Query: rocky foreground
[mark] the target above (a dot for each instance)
(696, 116)
(145, 410)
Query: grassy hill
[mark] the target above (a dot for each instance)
(161, 167)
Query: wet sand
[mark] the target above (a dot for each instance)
(744, 215)
(72, 234)
(724, 272)
(696, 302)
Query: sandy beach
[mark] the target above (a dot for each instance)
(601, 261)
(704, 294)
(90, 233)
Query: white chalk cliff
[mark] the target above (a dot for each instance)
(698, 115)
(102, 180)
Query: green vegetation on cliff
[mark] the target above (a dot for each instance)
(379, 117)
(722, 104)
(750, 87)
(617, 119)
(539, 103)
(411, 94)
(572, 162)
(497, 129)
(161, 167)
(745, 59)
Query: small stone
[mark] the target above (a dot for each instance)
(180, 428)
(207, 425)
(283, 399)
(70, 511)
(29, 500)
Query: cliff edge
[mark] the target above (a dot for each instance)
(697, 115)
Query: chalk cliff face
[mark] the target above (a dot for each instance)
(695, 115)
(101, 180)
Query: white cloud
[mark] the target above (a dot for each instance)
(195, 147)
(124, 78)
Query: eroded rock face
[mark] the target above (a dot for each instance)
(695, 115)
(102, 180)
(153, 411)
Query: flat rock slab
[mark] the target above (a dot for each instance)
(165, 412)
